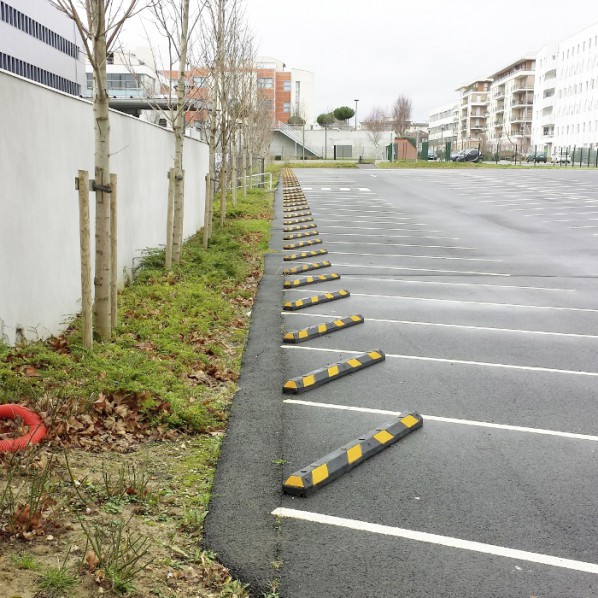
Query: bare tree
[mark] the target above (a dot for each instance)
(375, 124)
(225, 56)
(401, 114)
(99, 23)
(176, 22)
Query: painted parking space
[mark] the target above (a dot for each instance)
(506, 355)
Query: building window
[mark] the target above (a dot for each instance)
(286, 86)
(265, 82)
(28, 25)
(199, 81)
(34, 73)
(286, 107)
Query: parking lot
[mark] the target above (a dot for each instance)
(480, 288)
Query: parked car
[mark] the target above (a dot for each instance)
(469, 155)
(536, 157)
(432, 156)
(561, 159)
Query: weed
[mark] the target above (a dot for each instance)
(25, 561)
(234, 589)
(25, 508)
(279, 461)
(273, 591)
(119, 554)
(192, 520)
(58, 579)
(127, 482)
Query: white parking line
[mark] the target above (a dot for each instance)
(370, 267)
(402, 245)
(448, 420)
(463, 326)
(528, 368)
(365, 211)
(461, 284)
(493, 304)
(409, 230)
(397, 532)
(426, 257)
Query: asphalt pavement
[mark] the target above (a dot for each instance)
(480, 287)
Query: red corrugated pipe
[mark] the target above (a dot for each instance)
(36, 432)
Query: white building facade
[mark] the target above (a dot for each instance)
(472, 112)
(566, 94)
(510, 105)
(42, 44)
(442, 128)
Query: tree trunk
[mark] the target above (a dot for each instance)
(211, 172)
(169, 220)
(114, 251)
(223, 185)
(102, 305)
(85, 237)
(234, 176)
(179, 137)
(244, 152)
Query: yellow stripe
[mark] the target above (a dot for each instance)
(328, 295)
(294, 481)
(333, 370)
(383, 436)
(356, 318)
(299, 303)
(287, 304)
(409, 421)
(354, 453)
(342, 292)
(374, 355)
(315, 299)
(319, 474)
(322, 328)
(354, 363)
(288, 335)
(290, 384)
(309, 380)
(302, 334)
(339, 323)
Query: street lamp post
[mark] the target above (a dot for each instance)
(356, 114)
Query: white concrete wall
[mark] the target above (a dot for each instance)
(46, 138)
(360, 140)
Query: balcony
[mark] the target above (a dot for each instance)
(522, 103)
(521, 118)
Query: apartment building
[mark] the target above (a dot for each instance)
(510, 105)
(443, 124)
(42, 44)
(566, 94)
(472, 111)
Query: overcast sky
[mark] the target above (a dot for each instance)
(378, 49)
